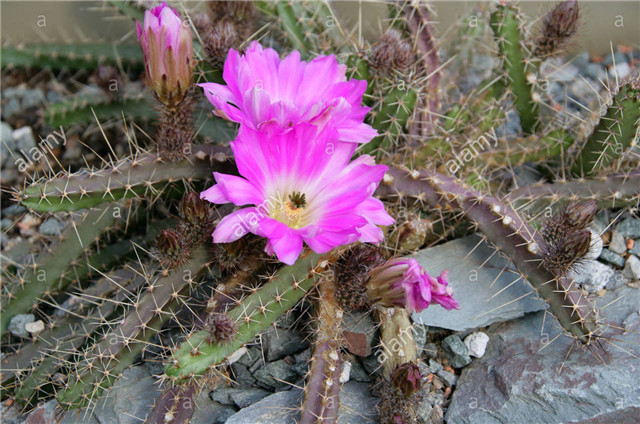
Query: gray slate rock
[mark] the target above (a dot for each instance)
(357, 406)
(632, 268)
(612, 258)
(276, 375)
(23, 139)
(51, 227)
(635, 250)
(630, 227)
(456, 351)
(593, 276)
(476, 287)
(210, 412)
(618, 244)
(517, 383)
(238, 397)
(278, 343)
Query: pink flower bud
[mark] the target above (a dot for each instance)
(403, 282)
(168, 54)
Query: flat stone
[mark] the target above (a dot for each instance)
(448, 377)
(484, 283)
(358, 331)
(18, 324)
(357, 406)
(632, 268)
(612, 258)
(517, 382)
(278, 343)
(631, 322)
(592, 275)
(629, 227)
(275, 375)
(223, 395)
(23, 139)
(208, 411)
(242, 376)
(456, 351)
(358, 372)
(617, 244)
(51, 227)
(476, 344)
(244, 398)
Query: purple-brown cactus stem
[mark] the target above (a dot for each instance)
(428, 104)
(502, 226)
(175, 405)
(323, 384)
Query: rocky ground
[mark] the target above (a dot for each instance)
(499, 359)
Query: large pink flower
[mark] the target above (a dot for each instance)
(167, 46)
(302, 187)
(403, 282)
(267, 93)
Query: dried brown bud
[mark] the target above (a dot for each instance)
(218, 40)
(193, 209)
(221, 328)
(391, 53)
(172, 248)
(559, 25)
(407, 379)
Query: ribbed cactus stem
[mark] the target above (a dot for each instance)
(254, 315)
(396, 339)
(616, 132)
(502, 226)
(175, 405)
(98, 369)
(519, 68)
(143, 175)
(323, 383)
(49, 267)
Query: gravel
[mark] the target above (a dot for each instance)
(612, 258)
(632, 268)
(18, 324)
(456, 351)
(630, 227)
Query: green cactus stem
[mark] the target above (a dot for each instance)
(502, 226)
(106, 360)
(616, 132)
(323, 382)
(143, 175)
(71, 56)
(46, 274)
(252, 316)
(506, 27)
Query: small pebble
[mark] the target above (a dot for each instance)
(632, 268)
(456, 351)
(592, 275)
(612, 258)
(24, 140)
(449, 378)
(631, 322)
(617, 244)
(630, 227)
(35, 328)
(51, 227)
(17, 325)
(476, 343)
(595, 249)
(635, 250)
(345, 371)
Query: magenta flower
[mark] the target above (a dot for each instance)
(302, 188)
(168, 53)
(267, 93)
(403, 282)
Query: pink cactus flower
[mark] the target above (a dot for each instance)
(302, 188)
(168, 53)
(403, 282)
(270, 94)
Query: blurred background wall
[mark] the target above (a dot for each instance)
(34, 21)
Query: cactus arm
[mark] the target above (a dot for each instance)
(97, 370)
(323, 384)
(502, 226)
(395, 327)
(175, 405)
(616, 132)
(129, 178)
(45, 276)
(253, 315)
(506, 28)
(71, 56)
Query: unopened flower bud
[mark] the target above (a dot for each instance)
(391, 53)
(559, 24)
(407, 379)
(167, 46)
